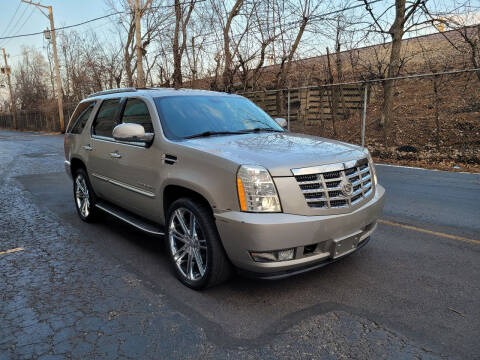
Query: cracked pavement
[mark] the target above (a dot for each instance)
(105, 290)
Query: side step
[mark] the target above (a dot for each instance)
(130, 218)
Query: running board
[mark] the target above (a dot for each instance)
(130, 218)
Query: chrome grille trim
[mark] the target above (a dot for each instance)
(320, 185)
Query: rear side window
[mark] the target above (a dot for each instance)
(136, 111)
(105, 119)
(80, 117)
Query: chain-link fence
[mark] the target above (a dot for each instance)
(435, 116)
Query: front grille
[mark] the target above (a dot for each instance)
(325, 189)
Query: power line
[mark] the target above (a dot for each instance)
(63, 27)
(16, 23)
(339, 11)
(165, 6)
(291, 24)
(19, 19)
(173, 5)
(23, 24)
(89, 21)
(11, 19)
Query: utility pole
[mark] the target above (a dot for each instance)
(138, 35)
(55, 59)
(13, 108)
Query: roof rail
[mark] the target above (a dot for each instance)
(112, 91)
(155, 88)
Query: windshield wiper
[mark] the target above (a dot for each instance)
(262, 129)
(211, 133)
(247, 131)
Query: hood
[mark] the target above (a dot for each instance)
(278, 152)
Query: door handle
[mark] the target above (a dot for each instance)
(115, 155)
(87, 147)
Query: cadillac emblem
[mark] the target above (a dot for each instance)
(346, 187)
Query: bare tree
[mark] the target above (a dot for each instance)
(31, 79)
(260, 37)
(471, 37)
(436, 64)
(464, 21)
(333, 97)
(193, 60)
(182, 18)
(306, 9)
(129, 50)
(403, 21)
(152, 20)
(228, 72)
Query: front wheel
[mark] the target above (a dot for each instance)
(195, 250)
(84, 196)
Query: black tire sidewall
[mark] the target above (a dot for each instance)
(209, 229)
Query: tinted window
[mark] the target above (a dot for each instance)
(80, 117)
(105, 120)
(184, 116)
(136, 112)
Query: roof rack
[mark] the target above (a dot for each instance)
(112, 91)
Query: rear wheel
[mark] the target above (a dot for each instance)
(195, 250)
(84, 196)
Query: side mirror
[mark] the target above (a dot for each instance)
(282, 122)
(132, 132)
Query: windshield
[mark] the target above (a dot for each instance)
(190, 116)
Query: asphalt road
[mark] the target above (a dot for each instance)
(105, 290)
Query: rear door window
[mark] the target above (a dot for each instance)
(105, 120)
(136, 112)
(80, 117)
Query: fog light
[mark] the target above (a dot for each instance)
(280, 255)
(264, 256)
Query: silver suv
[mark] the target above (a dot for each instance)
(224, 182)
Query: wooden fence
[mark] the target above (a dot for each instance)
(310, 105)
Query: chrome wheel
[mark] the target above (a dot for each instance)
(187, 244)
(82, 198)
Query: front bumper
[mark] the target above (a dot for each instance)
(244, 232)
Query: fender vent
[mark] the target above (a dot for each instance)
(169, 159)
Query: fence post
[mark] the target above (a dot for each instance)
(364, 115)
(288, 110)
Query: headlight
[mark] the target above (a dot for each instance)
(372, 166)
(256, 190)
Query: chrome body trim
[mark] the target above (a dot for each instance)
(329, 167)
(344, 188)
(112, 140)
(125, 186)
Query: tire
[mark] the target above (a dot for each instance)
(201, 248)
(84, 197)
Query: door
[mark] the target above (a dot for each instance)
(132, 168)
(102, 148)
(138, 165)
